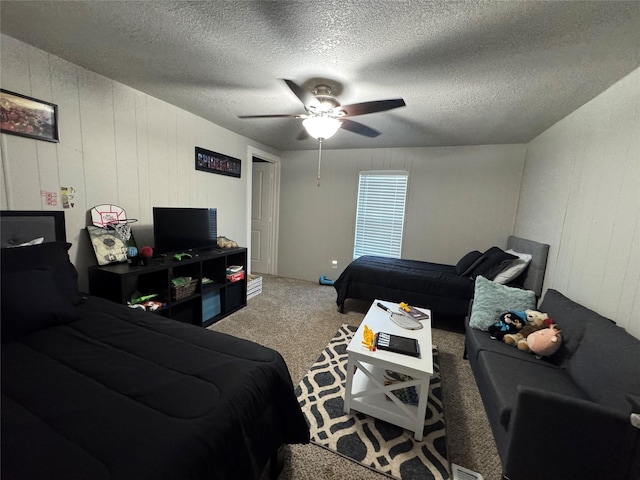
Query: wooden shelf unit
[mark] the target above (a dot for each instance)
(209, 303)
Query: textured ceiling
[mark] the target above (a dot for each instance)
(471, 72)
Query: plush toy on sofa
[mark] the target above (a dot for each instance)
(535, 321)
(510, 322)
(545, 342)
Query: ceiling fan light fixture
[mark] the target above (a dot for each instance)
(321, 127)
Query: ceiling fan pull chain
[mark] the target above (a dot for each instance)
(319, 160)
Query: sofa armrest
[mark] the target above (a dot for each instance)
(554, 436)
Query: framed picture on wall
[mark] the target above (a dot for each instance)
(28, 117)
(212, 162)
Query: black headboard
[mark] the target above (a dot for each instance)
(21, 226)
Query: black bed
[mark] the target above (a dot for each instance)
(96, 390)
(445, 289)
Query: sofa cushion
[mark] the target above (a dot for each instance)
(571, 319)
(478, 340)
(503, 373)
(491, 299)
(607, 364)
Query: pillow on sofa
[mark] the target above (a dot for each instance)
(52, 254)
(492, 262)
(465, 262)
(491, 299)
(514, 269)
(31, 300)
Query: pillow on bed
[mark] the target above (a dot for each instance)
(31, 300)
(50, 254)
(490, 264)
(492, 299)
(35, 241)
(515, 268)
(465, 262)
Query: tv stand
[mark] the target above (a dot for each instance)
(209, 303)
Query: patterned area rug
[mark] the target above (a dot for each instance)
(376, 444)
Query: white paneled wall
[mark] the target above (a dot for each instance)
(117, 146)
(581, 194)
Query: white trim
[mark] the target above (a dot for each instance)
(380, 213)
(275, 213)
(384, 172)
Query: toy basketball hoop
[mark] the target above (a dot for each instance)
(123, 228)
(113, 217)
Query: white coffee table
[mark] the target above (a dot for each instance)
(365, 390)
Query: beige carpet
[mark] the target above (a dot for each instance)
(298, 319)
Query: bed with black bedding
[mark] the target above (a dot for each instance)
(96, 390)
(445, 289)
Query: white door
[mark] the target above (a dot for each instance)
(262, 223)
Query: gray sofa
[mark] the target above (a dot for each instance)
(569, 416)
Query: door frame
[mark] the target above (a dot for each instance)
(275, 213)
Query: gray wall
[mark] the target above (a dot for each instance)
(459, 199)
(581, 194)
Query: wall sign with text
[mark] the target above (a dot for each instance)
(212, 162)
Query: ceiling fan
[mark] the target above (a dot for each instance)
(325, 115)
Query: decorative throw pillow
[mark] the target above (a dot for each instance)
(35, 241)
(492, 262)
(50, 254)
(491, 299)
(31, 300)
(465, 262)
(469, 271)
(514, 269)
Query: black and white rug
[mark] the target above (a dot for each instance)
(374, 443)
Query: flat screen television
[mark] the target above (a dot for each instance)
(181, 229)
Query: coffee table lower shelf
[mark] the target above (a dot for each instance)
(367, 395)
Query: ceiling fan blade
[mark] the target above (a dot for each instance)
(359, 128)
(283, 115)
(372, 107)
(303, 95)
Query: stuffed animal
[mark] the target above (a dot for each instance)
(545, 342)
(224, 242)
(535, 321)
(510, 322)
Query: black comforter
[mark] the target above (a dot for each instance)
(124, 394)
(423, 284)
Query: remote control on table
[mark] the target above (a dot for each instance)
(401, 319)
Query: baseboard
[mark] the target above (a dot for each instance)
(461, 473)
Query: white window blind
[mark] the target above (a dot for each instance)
(380, 213)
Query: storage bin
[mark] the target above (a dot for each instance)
(210, 304)
(184, 291)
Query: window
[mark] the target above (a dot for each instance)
(380, 213)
